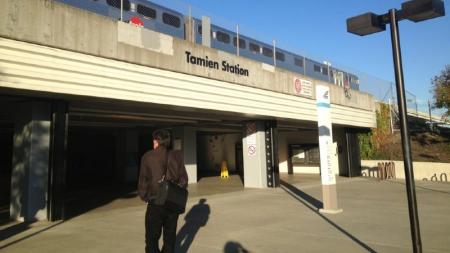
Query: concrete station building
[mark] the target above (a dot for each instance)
(81, 93)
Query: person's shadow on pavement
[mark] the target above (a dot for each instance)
(196, 217)
(234, 247)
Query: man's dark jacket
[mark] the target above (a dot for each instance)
(152, 169)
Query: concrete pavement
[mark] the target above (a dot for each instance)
(286, 219)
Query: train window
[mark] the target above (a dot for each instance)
(254, 48)
(317, 68)
(279, 56)
(171, 20)
(223, 37)
(199, 29)
(267, 52)
(146, 11)
(116, 4)
(298, 62)
(241, 42)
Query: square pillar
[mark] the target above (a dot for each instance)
(185, 139)
(260, 152)
(30, 167)
(271, 143)
(353, 153)
(189, 29)
(58, 160)
(206, 31)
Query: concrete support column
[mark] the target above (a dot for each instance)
(254, 153)
(271, 145)
(341, 151)
(189, 29)
(57, 161)
(353, 153)
(185, 139)
(29, 179)
(206, 31)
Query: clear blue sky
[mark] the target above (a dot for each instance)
(317, 28)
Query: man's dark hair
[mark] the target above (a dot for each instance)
(162, 136)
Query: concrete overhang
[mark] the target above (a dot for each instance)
(53, 48)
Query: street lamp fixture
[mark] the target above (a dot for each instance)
(417, 11)
(368, 23)
(365, 24)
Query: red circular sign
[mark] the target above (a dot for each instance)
(298, 86)
(137, 21)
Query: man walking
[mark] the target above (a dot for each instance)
(154, 164)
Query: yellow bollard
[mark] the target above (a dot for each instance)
(224, 170)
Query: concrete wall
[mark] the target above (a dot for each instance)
(185, 139)
(422, 170)
(215, 148)
(61, 26)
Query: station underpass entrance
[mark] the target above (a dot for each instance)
(6, 154)
(106, 139)
(219, 154)
(96, 170)
(105, 143)
(6, 149)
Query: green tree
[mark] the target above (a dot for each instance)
(376, 143)
(441, 90)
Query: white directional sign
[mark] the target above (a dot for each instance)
(325, 135)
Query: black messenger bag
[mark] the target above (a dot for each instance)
(170, 195)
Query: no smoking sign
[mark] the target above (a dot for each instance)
(297, 85)
(251, 150)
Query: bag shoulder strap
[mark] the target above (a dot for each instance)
(166, 165)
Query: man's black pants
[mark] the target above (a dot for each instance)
(156, 219)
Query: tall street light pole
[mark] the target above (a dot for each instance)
(368, 23)
(404, 131)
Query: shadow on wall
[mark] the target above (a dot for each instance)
(30, 169)
(234, 247)
(196, 218)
